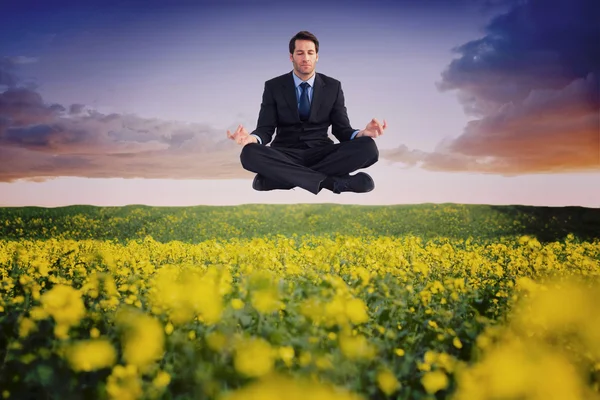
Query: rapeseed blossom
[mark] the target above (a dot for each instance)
(218, 315)
(434, 381)
(356, 347)
(124, 383)
(142, 337)
(90, 355)
(278, 387)
(387, 382)
(64, 304)
(254, 357)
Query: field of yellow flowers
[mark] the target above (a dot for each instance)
(311, 316)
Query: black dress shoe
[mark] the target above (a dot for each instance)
(261, 184)
(359, 183)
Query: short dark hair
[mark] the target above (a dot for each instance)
(303, 35)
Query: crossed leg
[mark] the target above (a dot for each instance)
(341, 159)
(307, 168)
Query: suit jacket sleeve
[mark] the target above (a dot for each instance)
(340, 124)
(267, 117)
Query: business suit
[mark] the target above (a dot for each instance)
(302, 154)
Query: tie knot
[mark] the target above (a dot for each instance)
(304, 85)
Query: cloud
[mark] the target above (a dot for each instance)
(533, 83)
(8, 68)
(40, 141)
(8, 77)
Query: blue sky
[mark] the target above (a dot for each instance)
(124, 102)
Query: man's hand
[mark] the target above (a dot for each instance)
(241, 136)
(374, 129)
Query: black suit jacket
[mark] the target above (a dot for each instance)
(279, 110)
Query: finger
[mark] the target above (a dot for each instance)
(378, 126)
(383, 126)
(229, 135)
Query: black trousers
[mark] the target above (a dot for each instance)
(286, 168)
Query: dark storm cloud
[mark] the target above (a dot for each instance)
(533, 82)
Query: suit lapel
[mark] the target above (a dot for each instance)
(290, 95)
(317, 97)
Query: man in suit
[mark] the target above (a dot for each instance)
(301, 105)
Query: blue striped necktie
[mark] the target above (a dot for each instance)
(304, 108)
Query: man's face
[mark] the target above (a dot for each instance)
(304, 58)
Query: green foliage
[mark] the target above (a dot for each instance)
(197, 224)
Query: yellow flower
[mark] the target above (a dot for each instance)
(457, 343)
(38, 313)
(65, 305)
(335, 311)
(142, 338)
(89, 355)
(434, 381)
(387, 382)
(237, 304)
(185, 292)
(124, 383)
(356, 347)
(26, 326)
(264, 292)
(266, 301)
(356, 310)
(162, 379)
(286, 353)
(519, 368)
(254, 357)
(277, 387)
(304, 359)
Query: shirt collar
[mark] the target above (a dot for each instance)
(298, 81)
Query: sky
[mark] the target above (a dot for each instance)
(128, 102)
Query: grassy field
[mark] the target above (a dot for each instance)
(197, 224)
(300, 302)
